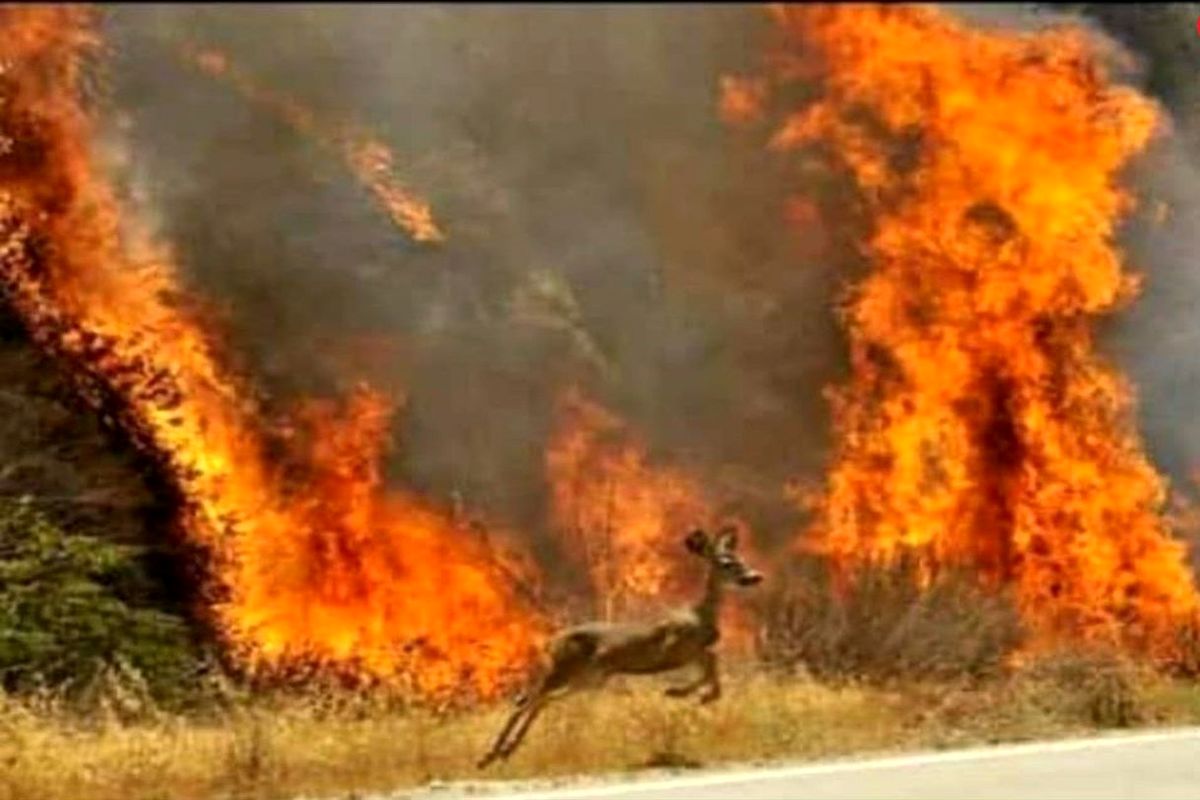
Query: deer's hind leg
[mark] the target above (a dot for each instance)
(569, 661)
(711, 676)
(531, 713)
(521, 720)
(497, 748)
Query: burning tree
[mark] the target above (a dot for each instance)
(319, 563)
(980, 425)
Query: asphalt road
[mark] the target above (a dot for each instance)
(1160, 765)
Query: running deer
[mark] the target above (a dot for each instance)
(587, 655)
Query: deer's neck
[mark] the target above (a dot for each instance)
(709, 607)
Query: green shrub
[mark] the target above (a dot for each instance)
(65, 613)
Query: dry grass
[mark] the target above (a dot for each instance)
(884, 666)
(326, 746)
(885, 626)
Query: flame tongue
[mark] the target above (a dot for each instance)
(980, 424)
(369, 159)
(622, 517)
(327, 567)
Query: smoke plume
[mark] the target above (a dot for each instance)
(603, 229)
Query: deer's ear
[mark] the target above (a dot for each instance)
(727, 539)
(696, 542)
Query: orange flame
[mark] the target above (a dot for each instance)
(624, 517)
(371, 161)
(315, 564)
(980, 424)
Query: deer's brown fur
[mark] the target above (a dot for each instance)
(585, 656)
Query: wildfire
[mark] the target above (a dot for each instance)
(370, 160)
(315, 563)
(979, 423)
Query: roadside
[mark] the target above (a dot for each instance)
(337, 747)
(1156, 765)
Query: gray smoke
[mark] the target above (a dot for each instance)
(603, 226)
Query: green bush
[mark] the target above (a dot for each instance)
(66, 613)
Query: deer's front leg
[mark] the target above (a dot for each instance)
(711, 677)
(686, 689)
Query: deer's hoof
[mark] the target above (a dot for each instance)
(485, 762)
(711, 697)
(676, 691)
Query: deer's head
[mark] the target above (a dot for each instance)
(721, 552)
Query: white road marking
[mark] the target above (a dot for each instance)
(864, 765)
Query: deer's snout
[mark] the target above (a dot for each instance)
(750, 578)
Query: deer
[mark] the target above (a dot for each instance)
(585, 656)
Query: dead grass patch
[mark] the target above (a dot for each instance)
(329, 745)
